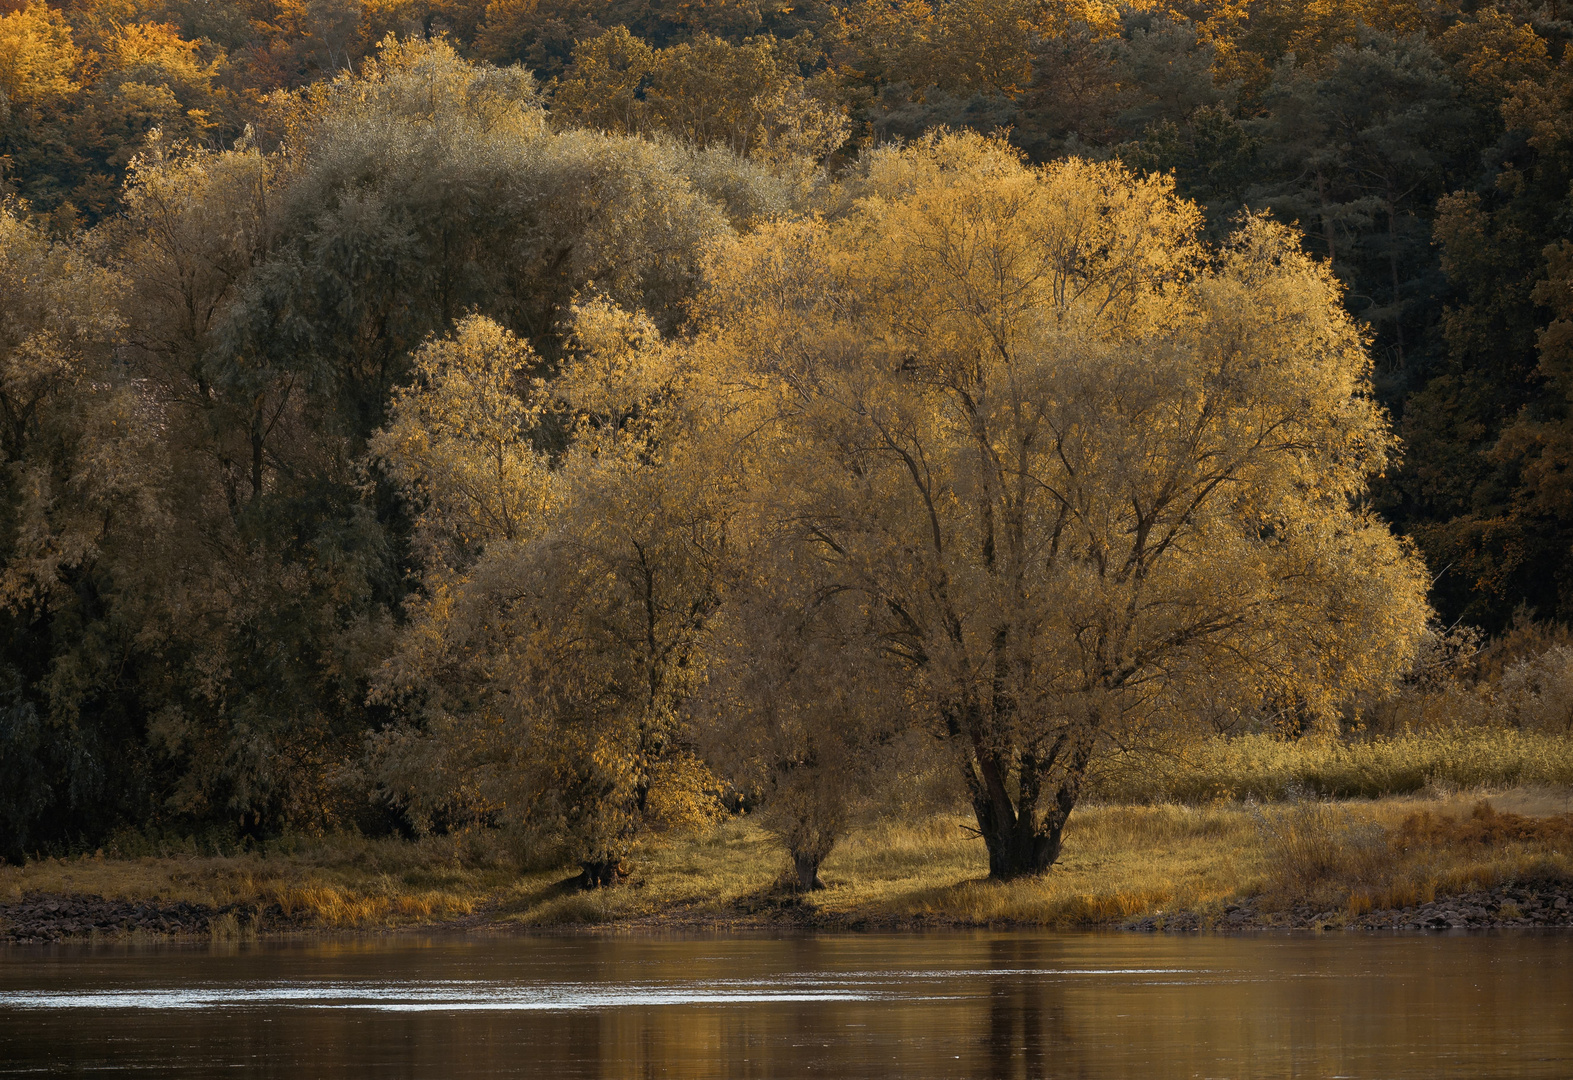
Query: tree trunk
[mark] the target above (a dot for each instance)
(1021, 841)
(806, 864)
(600, 874)
(1392, 262)
(1017, 845)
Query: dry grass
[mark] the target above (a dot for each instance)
(1269, 768)
(1397, 853)
(337, 882)
(1119, 862)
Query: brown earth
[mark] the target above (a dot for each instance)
(42, 918)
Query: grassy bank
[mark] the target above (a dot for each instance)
(1121, 861)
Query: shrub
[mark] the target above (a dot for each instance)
(1314, 849)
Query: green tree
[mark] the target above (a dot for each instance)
(1362, 145)
(1469, 494)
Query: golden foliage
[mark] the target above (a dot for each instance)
(748, 98)
(684, 794)
(963, 47)
(39, 59)
(547, 674)
(74, 445)
(458, 440)
(1089, 473)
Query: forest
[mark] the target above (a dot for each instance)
(578, 419)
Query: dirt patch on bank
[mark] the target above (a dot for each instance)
(39, 918)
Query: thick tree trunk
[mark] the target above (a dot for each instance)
(1020, 840)
(600, 874)
(1018, 845)
(807, 866)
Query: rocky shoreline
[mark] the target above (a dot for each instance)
(41, 918)
(44, 918)
(1505, 907)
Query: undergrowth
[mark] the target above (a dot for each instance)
(1342, 858)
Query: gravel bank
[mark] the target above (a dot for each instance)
(1509, 906)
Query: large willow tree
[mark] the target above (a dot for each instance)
(1089, 475)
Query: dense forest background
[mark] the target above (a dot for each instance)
(231, 226)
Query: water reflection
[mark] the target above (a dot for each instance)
(1011, 1006)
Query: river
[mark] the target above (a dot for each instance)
(915, 1006)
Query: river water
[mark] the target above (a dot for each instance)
(915, 1006)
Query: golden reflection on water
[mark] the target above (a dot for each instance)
(1002, 1006)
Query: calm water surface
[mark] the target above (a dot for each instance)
(913, 1006)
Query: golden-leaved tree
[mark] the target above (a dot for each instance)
(748, 98)
(1087, 473)
(794, 711)
(564, 603)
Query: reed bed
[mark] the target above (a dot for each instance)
(1268, 768)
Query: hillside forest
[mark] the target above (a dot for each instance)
(582, 418)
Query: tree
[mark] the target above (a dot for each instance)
(794, 708)
(40, 56)
(747, 98)
(79, 465)
(563, 609)
(1082, 471)
(1478, 426)
(1363, 144)
(82, 98)
(266, 599)
(1255, 37)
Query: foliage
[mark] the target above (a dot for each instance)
(796, 709)
(79, 462)
(545, 676)
(273, 301)
(1081, 473)
(747, 98)
(391, 440)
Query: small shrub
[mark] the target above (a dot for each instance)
(1315, 850)
(1536, 693)
(572, 909)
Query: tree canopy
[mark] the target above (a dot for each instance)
(420, 415)
(1089, 477)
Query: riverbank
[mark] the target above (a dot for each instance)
(1478, 859)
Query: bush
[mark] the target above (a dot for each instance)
(1333, 857)
(1313, 849)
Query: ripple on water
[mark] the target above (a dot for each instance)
(461, 995)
